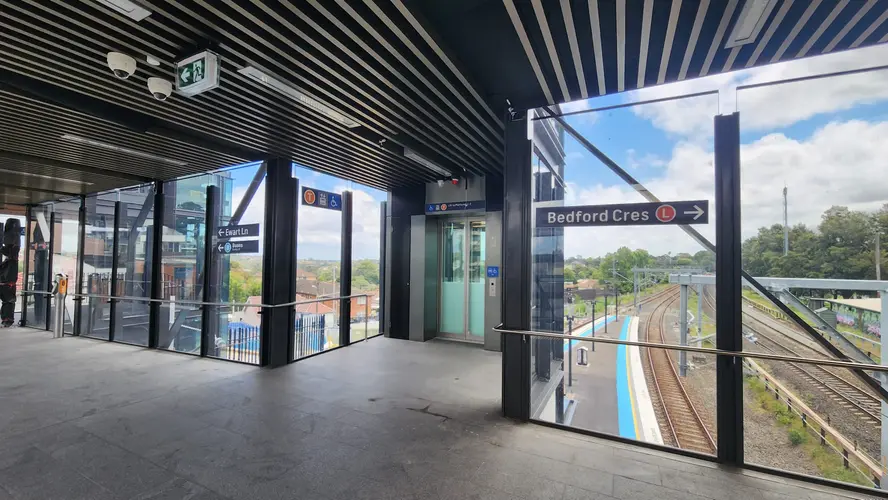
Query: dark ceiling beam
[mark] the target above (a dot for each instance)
(25, 158)
(132, 120)
(38, 190)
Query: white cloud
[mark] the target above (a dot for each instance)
(320, 230)
(767, 108)
(839, 164)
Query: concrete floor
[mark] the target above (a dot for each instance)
(387, 419)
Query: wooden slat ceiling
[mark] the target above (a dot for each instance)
(364, 59)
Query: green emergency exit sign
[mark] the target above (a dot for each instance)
(192, 72)
(197, 73)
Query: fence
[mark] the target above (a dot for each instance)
(310, 334)
(242, 343)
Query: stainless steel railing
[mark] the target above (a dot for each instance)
(701, 350)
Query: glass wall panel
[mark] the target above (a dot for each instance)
(38, 281)
(17, 307)
(239, 279)
(182, 261)
(603, 256)
(98, 250)
(66, 244)
(815, 205)
(366, 232)
(318, 266)
(134, 264)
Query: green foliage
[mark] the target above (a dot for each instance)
(569, 275)
(840, 247)
(580, 309)
(797, 437)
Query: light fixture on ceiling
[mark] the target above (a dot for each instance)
(750, 23)
(296, 95)
(127, 8)
(153, 61)
(413, 155)
(121, 149)
(29, 174)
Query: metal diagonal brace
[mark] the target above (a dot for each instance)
(702, 240)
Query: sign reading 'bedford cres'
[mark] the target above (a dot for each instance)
(626, 214)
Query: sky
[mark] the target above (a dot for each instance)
(825, 139)
(319, 230)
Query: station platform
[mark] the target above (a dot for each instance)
(384, 419)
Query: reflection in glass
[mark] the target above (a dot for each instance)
(66, 237)
(453, 298)
(477, 275)
(134, 256)
(95, 312)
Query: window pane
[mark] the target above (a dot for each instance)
(617, 278)
(95, 312)
(134, 262)
(815, 206)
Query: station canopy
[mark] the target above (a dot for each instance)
(386, 93)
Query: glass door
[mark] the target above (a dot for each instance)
(452, 310)
(463, 254)
(477, 273)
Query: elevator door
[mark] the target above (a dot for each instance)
(463, 253)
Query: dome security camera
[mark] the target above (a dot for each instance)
(121, 64)
(160, 88)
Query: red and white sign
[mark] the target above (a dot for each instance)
(665, 213)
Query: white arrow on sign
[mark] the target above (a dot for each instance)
(186, 74)
(221, 247)
(697, 210)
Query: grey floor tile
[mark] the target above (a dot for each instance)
(630, 489)
(524, 485)
(123, 473)
(574, 493)
(178, 489)
(36, 475)
(384, 419)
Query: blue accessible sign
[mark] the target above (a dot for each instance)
(493, 271)
(323, 199)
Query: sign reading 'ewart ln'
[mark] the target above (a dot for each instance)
(626, 214)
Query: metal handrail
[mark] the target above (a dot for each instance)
(701, 350)
(200, 302)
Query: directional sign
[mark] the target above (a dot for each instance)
(197, 73)
(323, 199)
(243, 231)
(627, 214)
(229, 247)
(456, 206)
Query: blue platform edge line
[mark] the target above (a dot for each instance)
(625, 419)
(588, 331)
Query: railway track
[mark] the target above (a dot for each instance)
(683, 422)
(845, 393)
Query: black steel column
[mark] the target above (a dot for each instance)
(728, 317)
(115, 263)
(47, 309)
(156, 267)
(209, 316)
(516, 269)
(279, 262)
(345, 270)
(24, 319)
(383, 231)
(81, 255)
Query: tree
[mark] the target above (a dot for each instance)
(367, 268)
(569, 275)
